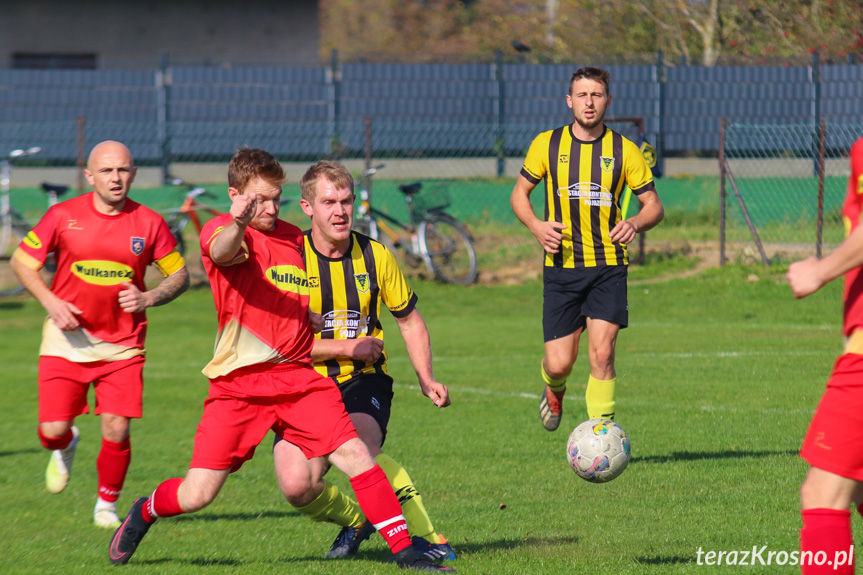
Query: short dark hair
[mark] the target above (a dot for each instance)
(591, 73)
(333, 172)
(249, 163)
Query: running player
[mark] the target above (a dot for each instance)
(261, 377)
(586, 167)
(832, 444)
(94, 333)
(350, 275)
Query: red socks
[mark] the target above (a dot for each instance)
(377, 500)
(54, 443)
(825, 542)
(163, 502)
(111, 466)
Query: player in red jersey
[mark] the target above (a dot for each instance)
(832, 444)
(261, 375)
(103, 242)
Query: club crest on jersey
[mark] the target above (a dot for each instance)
(564, 159)
(607, 163)
(362, 281)
(137, 245)
(314, 282)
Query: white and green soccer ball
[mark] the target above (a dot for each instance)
(598, 450)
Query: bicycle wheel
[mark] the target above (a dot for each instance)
(9, 284)
(448, 248)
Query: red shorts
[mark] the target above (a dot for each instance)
(63, 387)
(834, 441)
(291, 399)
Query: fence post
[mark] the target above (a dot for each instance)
(722, 193)
(81, 123)
(819, 233)
(660, 136)
(332, 78)
(163, 80)
(816, 107)
(500, 129)
(367, 141)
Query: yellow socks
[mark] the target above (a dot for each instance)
(335, 507)
(410, 500)
(600, 398)
(556, 385)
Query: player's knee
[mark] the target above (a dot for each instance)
(352, 458)
(195, 497)
(298, 490)
(557, 367)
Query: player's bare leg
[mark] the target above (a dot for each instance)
(560, 355)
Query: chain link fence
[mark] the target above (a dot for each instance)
(782, 187)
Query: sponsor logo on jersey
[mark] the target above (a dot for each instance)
(137, 245)
(314, 282)
(606, 163)
(589, 193)
(102, 273)
(73, 225)
(564, 159)
(31, 240)
(362, 281)
(345, 323)
(289, 278)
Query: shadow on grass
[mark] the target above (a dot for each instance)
(700, 455)
(382, 556)
(19, 452)
(663, 560)
(236, 516)
(10, 305)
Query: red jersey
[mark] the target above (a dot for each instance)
(95, 254)
(262, 303)
(852, 210)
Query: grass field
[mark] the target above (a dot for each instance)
(718, 375)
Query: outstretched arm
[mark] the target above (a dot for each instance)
(810, 275)
(415, 333)
(226, 248)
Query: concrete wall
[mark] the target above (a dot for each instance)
(134, 34)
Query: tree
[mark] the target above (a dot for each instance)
(707, 32)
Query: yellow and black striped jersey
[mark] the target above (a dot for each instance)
(348, 293)
(584, 184)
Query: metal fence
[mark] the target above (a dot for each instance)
(782, 187)
(488, 110)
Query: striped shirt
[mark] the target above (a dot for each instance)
(584, 183)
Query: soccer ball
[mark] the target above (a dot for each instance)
(598, 450)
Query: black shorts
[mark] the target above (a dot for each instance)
(571, 295)
(370, 393)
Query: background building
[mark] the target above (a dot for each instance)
(110, 34)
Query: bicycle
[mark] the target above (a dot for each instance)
(430, 236)
(14, 226)
(179, 218)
